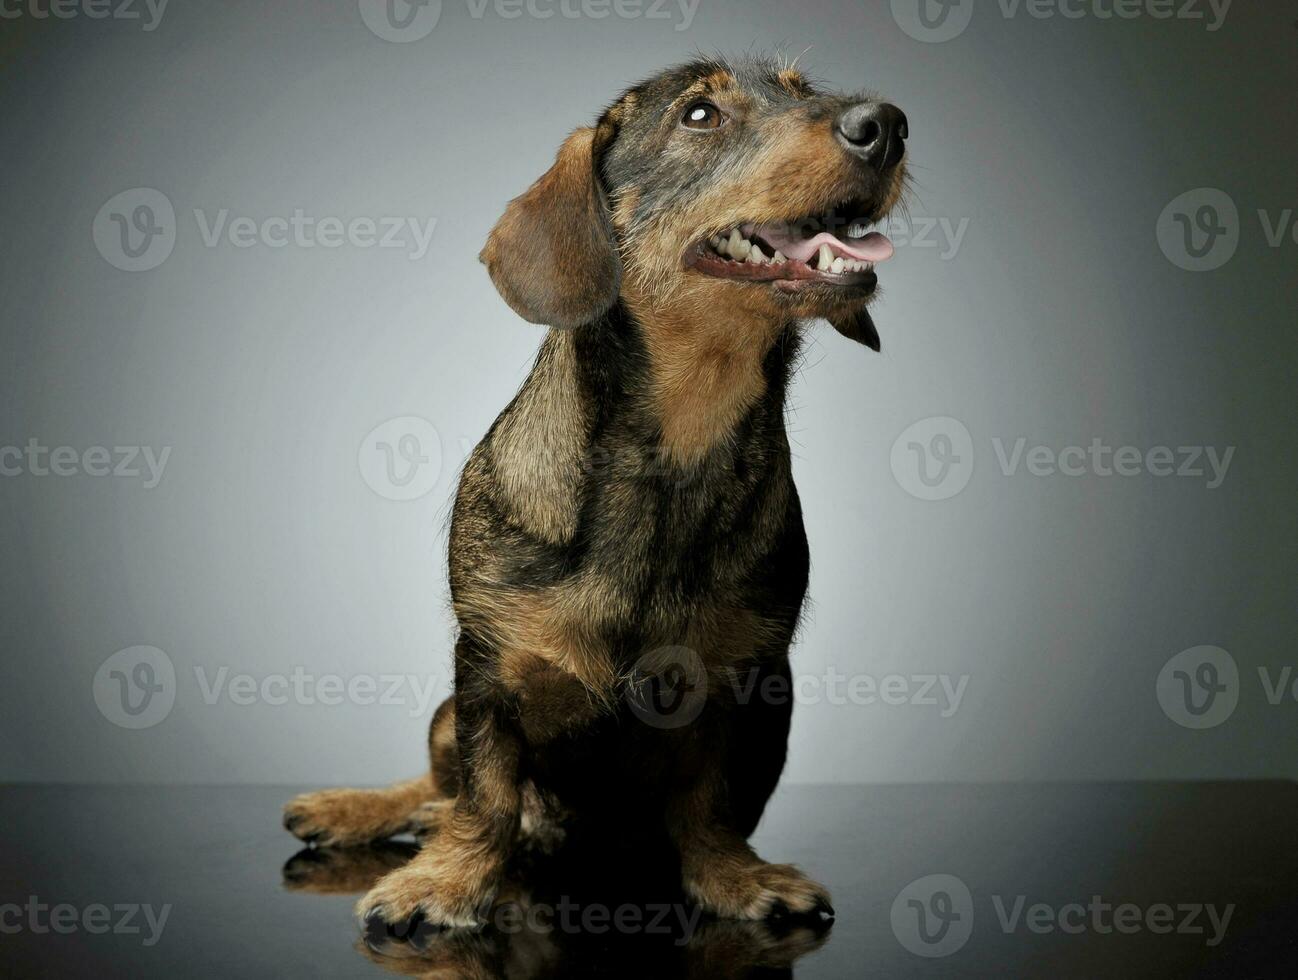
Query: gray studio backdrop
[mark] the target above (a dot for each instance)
(246, 345)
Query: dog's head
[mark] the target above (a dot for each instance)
(717, 185)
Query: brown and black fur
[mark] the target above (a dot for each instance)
(633, 499)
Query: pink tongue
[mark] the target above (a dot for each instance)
(874, 247)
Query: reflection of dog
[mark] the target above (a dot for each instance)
(632, 508)
(582, 911)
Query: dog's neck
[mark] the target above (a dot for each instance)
(592, 413)
(706, 371)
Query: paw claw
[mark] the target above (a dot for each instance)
(299, 825)
(377, 926)
(374, 925)
(776, 892)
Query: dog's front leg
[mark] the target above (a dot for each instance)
(453, 879)
(722, 873)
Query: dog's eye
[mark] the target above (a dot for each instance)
(702, 115)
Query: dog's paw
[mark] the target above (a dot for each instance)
(340, 818)
(417, 901)
(428, 819)
(760, 891)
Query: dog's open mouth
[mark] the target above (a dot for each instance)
(822, 248)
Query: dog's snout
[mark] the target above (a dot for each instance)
(874, 131)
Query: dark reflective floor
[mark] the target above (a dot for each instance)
(1114, 880)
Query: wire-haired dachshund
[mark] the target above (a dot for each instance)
(629, 524)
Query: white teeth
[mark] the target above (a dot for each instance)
(779, 257)
(824, 258)
(837, 265)
(857, 229)
(733, 245)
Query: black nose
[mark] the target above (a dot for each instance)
(874, 131)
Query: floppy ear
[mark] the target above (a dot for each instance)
(551, 255)
(858, 326)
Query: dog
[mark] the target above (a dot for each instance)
(630, 523)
